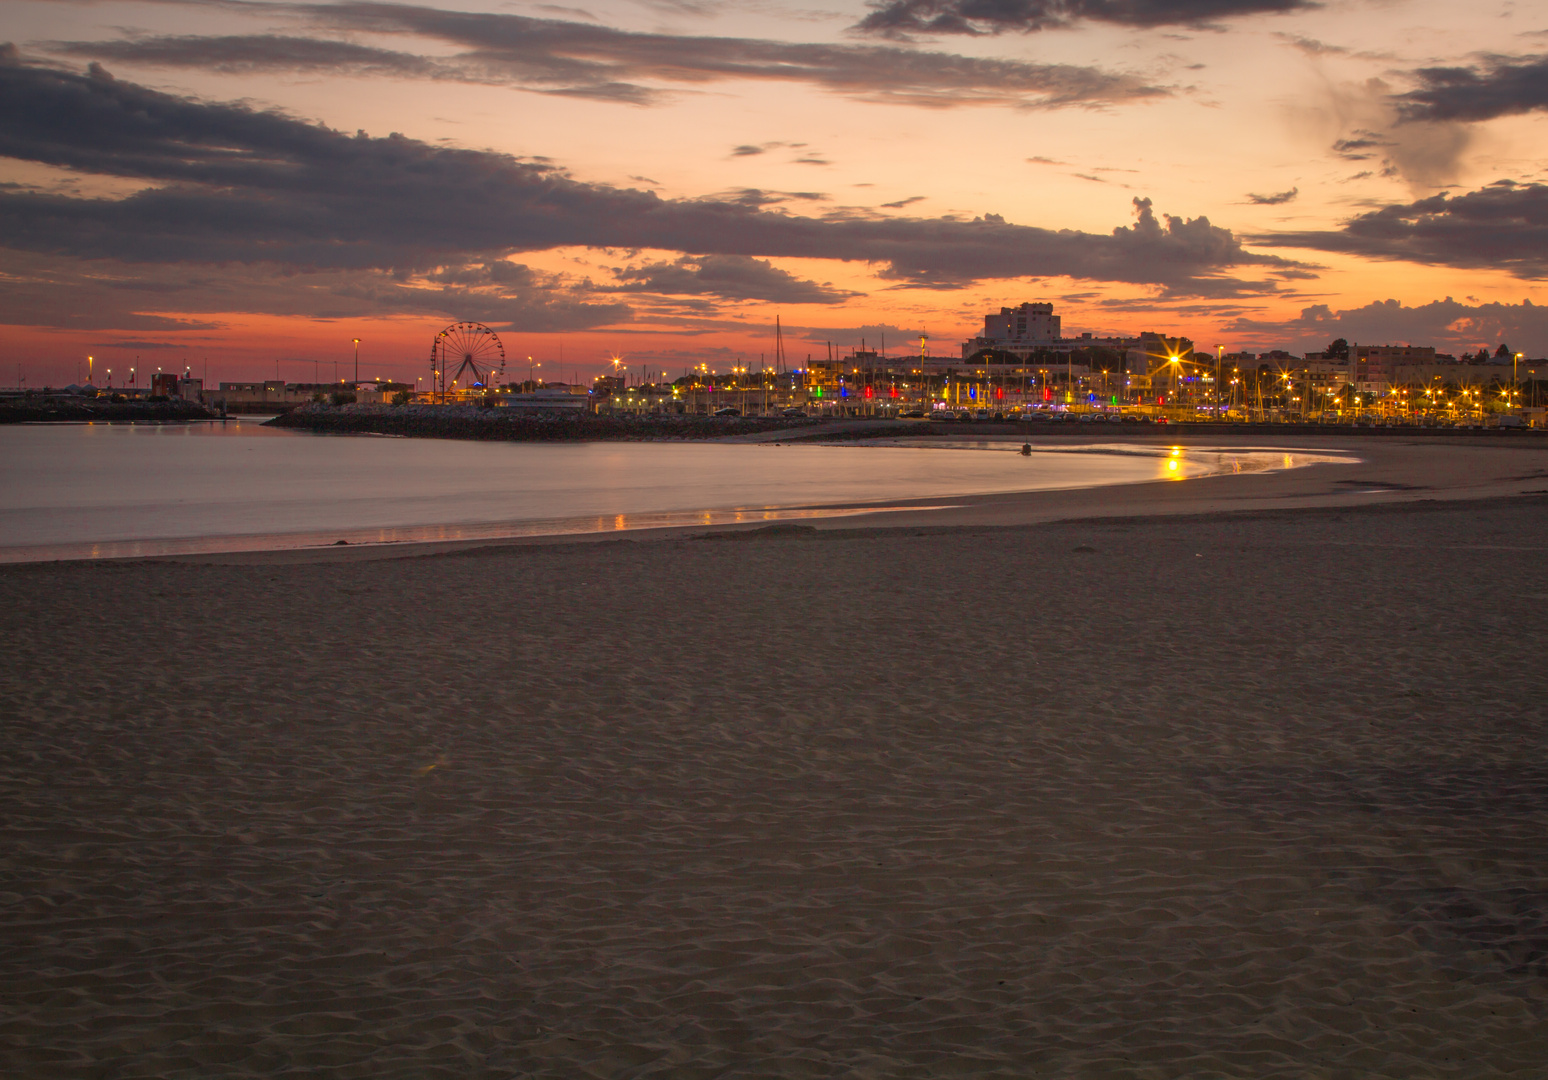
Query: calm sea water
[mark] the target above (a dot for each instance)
(98, 490)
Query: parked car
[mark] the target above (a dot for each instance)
(728, 411)
(912, 414)
(792, 412)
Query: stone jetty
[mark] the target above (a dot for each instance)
(509, 425)
(69, 408)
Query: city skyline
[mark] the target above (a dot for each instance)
(255, 184)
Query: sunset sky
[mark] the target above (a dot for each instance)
(251, 185)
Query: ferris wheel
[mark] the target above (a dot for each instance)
(466, 355)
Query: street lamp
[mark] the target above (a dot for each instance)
(1219, 363)
(357, 360)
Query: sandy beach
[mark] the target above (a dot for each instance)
(1241, 777)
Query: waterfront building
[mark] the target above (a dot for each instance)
(1376, 365)
(1023, 325)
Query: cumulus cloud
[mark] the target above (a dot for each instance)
(1448, 324)
(227, 184)
(730, 277)
(553, 56)
(1503, 226)
(900, 18)
(1278, 198)
(1496, 86)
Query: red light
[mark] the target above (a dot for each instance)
(999, 392)
(868, 392)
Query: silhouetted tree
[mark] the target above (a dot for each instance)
(1338, 349)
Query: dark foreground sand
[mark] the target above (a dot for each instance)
(1251, 796)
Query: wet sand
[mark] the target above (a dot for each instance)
(1217, 794)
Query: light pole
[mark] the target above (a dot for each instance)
(357, 362)
(1515, 384)
(1219, 362)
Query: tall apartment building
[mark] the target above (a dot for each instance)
(1379, 363)
(1025, 324)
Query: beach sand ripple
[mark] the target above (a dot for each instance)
(1257, 796)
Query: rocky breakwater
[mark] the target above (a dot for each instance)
(63, 408)
(510, 425)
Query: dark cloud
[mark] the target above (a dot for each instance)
(759, 197)
(1447, 324)
(1278, 198)
(901, 203)
(1311, 46)
(1359, 148)
(1501, 227)
(897, 340)
(583, 60)
(229, 185)
(730, 277)
(753, 149)
(263, 52)
(1497, 86)
(102, 294)
(901, 18)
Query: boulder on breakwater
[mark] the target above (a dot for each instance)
(511, 425)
